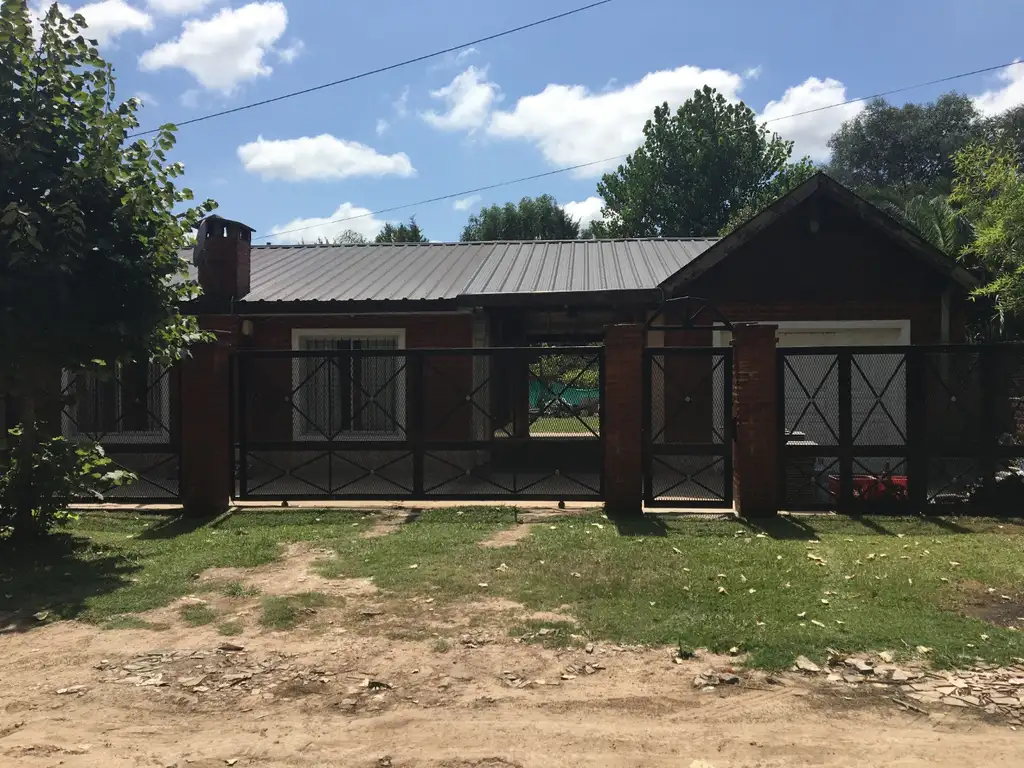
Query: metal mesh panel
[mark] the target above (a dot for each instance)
(688, 415)
(130, 410)
(368, 421)
(811, 397)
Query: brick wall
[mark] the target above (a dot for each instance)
(755, 395)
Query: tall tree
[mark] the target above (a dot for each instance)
(693, 170)
(989, 188)
(933, 218)
(539, 218)
(403, 233)
(909, 148)
(1007, 131)
(90, 226)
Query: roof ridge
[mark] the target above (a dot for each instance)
(451, 243)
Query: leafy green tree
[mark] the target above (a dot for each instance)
(90, 226)
(694, 169)
(909, 148)
(1007, 131)
(539, 218)
(790, 177)
(933, 218)
(403, 233)
(989, 188)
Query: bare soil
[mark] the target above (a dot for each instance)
(508, 537)
(378, 681)
(993, 605)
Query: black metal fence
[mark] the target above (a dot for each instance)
(688, 427)
(131, 410)
(902, 428)
(347, 421)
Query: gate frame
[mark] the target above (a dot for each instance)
(651, 449)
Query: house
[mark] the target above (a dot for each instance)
(823, 264)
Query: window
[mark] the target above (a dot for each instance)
(132, 405)
(349, 394)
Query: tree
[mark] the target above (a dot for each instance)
(403, 233)
(790, 177)
(1007, 131)
(90, 226)
(933, 218)
(989, 188)
(909, 148)
(538, 218)
(694, 169)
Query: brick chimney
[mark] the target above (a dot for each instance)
(223, 252)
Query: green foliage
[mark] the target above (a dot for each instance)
(197, 615)
(989, 189)
(285, 612)
(790, 177)
(538, 218)
(909, 148)
(1007, 131)
(933, 218)
(694, 169)
(56, 473)
(403, 233)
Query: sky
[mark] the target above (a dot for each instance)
(573, 91)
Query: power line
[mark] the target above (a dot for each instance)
(380, 70)
(557, 171)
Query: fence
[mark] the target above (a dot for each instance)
(902, 428)
(360, 423)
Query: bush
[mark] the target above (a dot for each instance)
(34, 496)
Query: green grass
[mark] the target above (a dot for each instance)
(658, 584)
(230, 628)
(133, 622)
(570, 425)
(286, 612)
(197, 615)
(238, 589)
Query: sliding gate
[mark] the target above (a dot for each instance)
(350, 420)
(688, 427)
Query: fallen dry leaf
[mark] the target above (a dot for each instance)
(722, 591)
(802, 615)
(817, 623)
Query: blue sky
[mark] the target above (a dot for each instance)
(569, 92)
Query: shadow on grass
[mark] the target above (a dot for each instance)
(54, 579)
(783, 528)
(173, 527)
(640, 525)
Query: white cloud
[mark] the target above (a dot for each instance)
(585, 211)
(995, 101)
(178, 7)
(190, 99)
(106, 20)
(810, 133)
(752, 73)
(572, 125)
(466, 203)
(147, 99)
(226, 50)
(319, 157)
(468, 99)
(401, 104)
(329, 227)
(292, 52)
(382, 126)
(463, 55)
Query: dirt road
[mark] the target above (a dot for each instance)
(457, 691)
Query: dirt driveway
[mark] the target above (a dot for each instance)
(372, 681)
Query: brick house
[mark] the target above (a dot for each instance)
(823, 264)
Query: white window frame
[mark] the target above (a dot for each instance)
(350, 334)
(69, 416)
(903, 326)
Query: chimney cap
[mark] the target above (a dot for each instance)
(213, 217)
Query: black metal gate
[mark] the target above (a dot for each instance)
(132, 411)
(353, 422)
(900, 429)
(688, 427)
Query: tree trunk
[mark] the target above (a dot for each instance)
(24, 526)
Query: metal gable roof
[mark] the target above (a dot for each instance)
(449, 271)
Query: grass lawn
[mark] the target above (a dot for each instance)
(800, 586)
(561, 425)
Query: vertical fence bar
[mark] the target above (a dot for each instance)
(648, 427)
(780, 375)
(600, 417)
(917, 431)
(232, 420)
(243, 427)
(728, 427)
(416, 400)
(845, 371)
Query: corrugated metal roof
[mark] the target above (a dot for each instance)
(424, 271)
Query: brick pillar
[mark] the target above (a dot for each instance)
(622, 419)
(756, 409)
(207, 464)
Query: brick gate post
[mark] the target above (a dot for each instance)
(756, 489)
(622, 419)
(206, 450)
